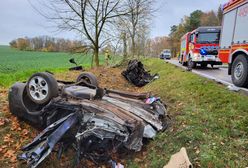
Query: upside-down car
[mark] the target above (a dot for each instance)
(92, 120)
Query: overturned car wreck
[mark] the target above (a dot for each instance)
(92, 120)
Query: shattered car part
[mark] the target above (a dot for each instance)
(137, 75)
(76, 68)
(41, 147)
(92, 120)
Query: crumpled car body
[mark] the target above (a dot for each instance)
(93, 120)
(136, 74)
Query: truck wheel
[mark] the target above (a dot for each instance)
(89, 78)
(240, 71)
(185, 63)
(204, 65)
(191, 64)
(42, 87)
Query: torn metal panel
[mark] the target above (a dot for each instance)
(43, 145)
(138, 112)
(149, 132)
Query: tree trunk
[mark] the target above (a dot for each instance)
(96, 56)
(92, 60)
(124, 46)
(133, 46)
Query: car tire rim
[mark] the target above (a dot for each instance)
(38, 88)
(239, 70)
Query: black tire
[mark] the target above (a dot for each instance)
(185, 63)
(240, 71)
(191, 64)
(45, 89)
(89, 78)
(204, 65)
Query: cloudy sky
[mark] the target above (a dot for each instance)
(19, 19)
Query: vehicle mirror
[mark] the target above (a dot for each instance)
(196, 34)
(73, 61)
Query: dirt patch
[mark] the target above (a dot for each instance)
(110, 78)
(15, 133)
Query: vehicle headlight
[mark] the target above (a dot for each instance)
(196, 55)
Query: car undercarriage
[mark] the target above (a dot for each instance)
(81, 115)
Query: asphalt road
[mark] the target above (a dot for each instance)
(219, 75)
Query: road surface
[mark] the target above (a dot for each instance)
(219, 75)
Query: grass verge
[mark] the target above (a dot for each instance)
(210, 121)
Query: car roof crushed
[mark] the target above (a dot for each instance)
(94, 122)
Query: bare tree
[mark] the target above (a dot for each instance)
(124, 39)
(157, 45)
(137, 19)
(90, 18)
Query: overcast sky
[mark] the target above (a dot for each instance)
(19, 19)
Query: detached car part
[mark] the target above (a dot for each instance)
(76, 68)
(137, 75)
(92, 120)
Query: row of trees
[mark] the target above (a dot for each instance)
(189, 23)
(101, 23)
(122, 26)
(47, 44)
(156, 45)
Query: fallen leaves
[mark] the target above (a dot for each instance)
(8, 139)
(3, 121)
(14, 134)
(15, 125)
(25, 132)
(2, 148)
(197, 150)
(10, 154)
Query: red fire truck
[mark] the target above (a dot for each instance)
(234, 41)
(200, 47)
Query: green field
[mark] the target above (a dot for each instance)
(17, 65)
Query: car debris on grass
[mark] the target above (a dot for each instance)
(137, 75)
(81, 115)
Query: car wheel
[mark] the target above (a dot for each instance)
(240, 71)
(89, 78)
(42, 87)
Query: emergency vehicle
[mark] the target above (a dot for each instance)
(200, 47)
(234, 41)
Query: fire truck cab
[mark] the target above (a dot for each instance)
(200, 47)
(234, 41)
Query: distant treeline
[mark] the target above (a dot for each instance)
(189, 23)
(47, 44)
